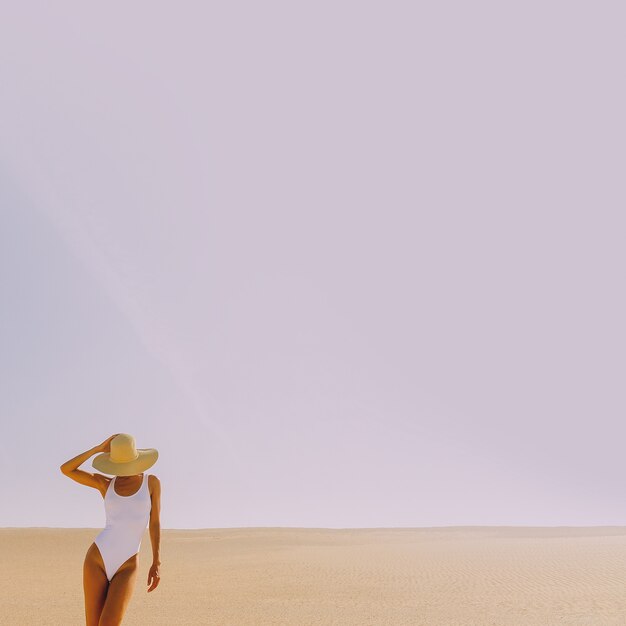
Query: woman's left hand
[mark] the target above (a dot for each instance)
(154, 576)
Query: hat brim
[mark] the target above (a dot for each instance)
(146, 459)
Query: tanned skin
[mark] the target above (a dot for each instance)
(106, 602)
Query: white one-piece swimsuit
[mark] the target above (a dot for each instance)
(126, 521)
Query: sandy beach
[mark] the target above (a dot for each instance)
(456, 576)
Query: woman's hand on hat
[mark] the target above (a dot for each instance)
(105, 446)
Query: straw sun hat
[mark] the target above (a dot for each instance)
(125, 459)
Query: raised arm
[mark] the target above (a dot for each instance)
(97, 481)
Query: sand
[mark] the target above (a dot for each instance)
(496, 576)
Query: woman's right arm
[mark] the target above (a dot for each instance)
(70, 468)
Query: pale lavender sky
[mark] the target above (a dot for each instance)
(342, 263)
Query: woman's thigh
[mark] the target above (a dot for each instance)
(95, 585)
(119, 593)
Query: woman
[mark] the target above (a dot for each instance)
(132, 500)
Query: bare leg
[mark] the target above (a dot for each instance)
(119, 594)
(95, 585)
